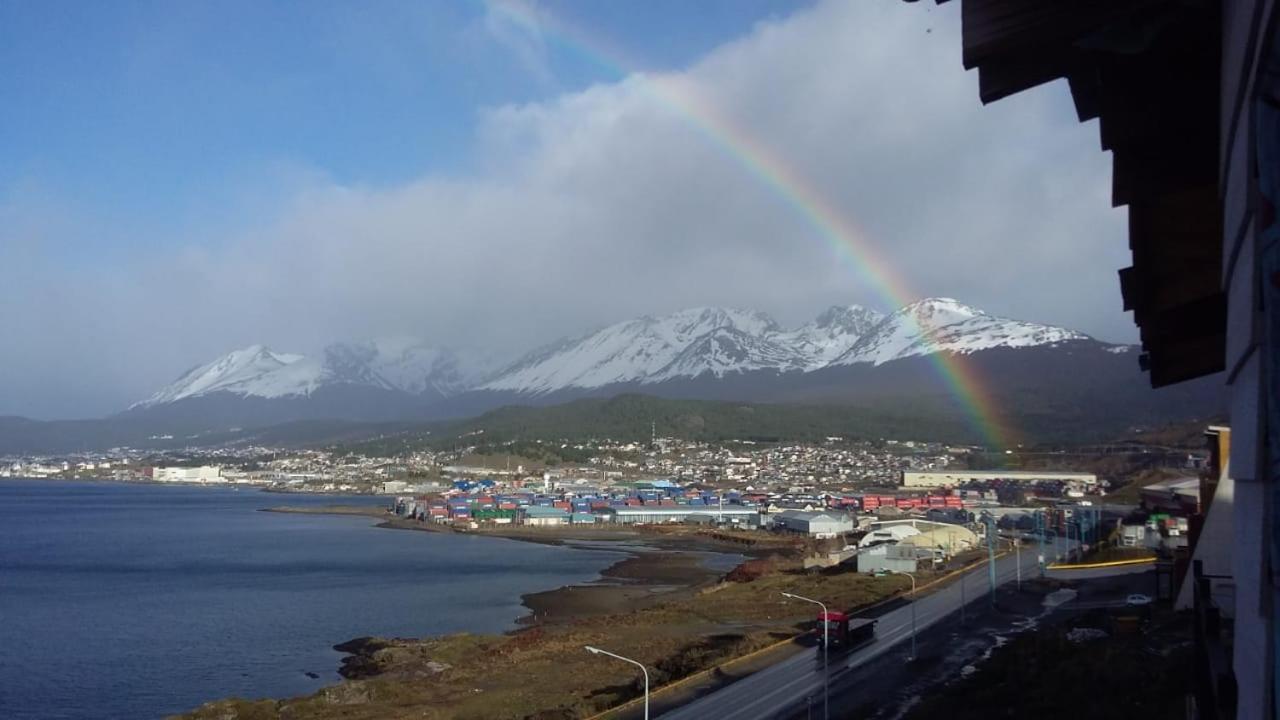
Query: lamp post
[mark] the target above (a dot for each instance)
(913, 609)
(826, 678)
(643, 669)
(1017, 551)
(1069, 524)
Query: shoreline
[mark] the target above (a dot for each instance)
(654, 567)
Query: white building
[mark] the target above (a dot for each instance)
(653, 515)
(953, 478)
(202, 474)
(393, 487)
(814, 524)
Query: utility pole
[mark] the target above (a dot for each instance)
(1041, 530)
(826, 643)
(991, 553)
(1017, 550)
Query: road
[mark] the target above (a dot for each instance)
(775, 691)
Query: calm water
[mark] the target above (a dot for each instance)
(134, 601)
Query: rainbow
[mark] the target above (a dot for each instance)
(846, 241)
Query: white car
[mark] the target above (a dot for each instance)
(1138, 600)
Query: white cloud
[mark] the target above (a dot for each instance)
(609, 202)
(515, 25)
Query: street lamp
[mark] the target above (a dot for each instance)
(643, 669)
(1017, 549)
(913, 609)
(826, 677)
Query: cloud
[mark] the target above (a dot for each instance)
(618, 200)
(514, 24)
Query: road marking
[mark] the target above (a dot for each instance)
(1113, 563)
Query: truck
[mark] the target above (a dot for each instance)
(844, 631)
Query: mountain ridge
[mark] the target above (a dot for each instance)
(687, 344)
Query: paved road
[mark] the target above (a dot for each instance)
(776, 690)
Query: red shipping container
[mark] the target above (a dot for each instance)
(561, 504)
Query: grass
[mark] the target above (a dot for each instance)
(1131, 493)
(544, 672)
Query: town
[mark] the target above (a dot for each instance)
(903, 503)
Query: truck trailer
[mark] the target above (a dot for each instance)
(844, 631)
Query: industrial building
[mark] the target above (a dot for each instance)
(939, 539)
(814, 524)
(656, 515)
(955, 478)
(203, 474)
(889, 557)
(538, 516)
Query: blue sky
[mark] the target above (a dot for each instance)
(184, 179)
(156, 114)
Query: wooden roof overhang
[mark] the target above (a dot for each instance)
(1148, 70)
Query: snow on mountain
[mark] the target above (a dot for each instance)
(728, 350)
(644, 349)
(945, 325)
(255, 370)
(831, 334)
(402, 364)
(647, 350)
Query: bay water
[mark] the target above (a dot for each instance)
(137, 601)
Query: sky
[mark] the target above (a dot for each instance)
(184, 179)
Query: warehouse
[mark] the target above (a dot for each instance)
(655, 515)
(956, 478)
(545, 516)
(892, 558)
(814, 524)
(203, 474)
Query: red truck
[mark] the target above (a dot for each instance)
(844, 631)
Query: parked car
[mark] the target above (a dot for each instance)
(1138, 600)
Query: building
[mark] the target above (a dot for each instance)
(1187, 98)
(936, 538)
(657, 515)
(955, 478)
(203, 474)
(886, 534)
(393, 487)
(539, 516)
(814, 524)
(889, 557)
(944, 540)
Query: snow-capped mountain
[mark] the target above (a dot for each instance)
(701, 352)
(945, 325)
(405, 364)
(831, 334)
(722, 342)
(647, 349)
(396, 364)
(256, 370)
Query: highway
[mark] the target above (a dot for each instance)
(777, 690)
